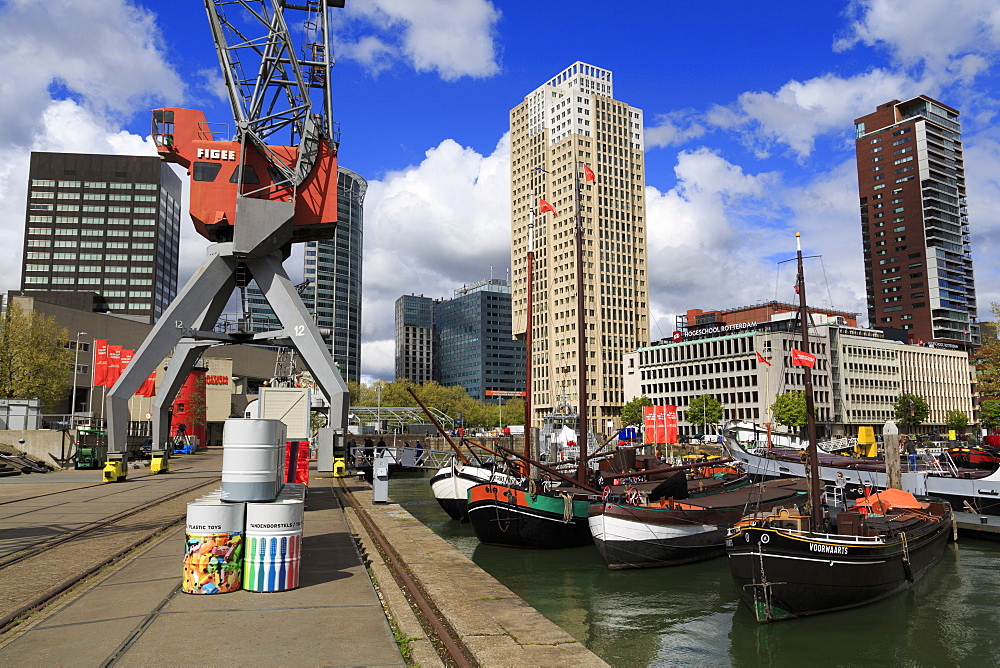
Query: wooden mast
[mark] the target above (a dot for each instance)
(581, 334)
(816, 511)
(528, 331)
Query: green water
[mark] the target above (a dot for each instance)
(690, 615)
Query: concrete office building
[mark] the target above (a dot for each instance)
(914, 222)
(415, 338)
(859, 375)
(473, 344)
(105, 224)
(570, 122)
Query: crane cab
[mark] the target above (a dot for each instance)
(223, 171)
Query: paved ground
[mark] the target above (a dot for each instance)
(135, 614)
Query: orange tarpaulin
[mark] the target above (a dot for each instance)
(887, 500)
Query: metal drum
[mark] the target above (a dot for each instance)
(213, 555)
(253, 455)
(274, 545)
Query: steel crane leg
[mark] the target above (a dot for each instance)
(197, 306)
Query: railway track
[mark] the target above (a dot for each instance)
(445, 640)
(37, 574)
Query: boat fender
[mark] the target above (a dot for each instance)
(532, 488)
(605, 495)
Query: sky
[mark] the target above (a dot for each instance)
(749, 133)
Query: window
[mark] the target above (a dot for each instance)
(43, 183)
(42, 194)
(95, 184)
(93, 196)
(41, 207)
(206, 171)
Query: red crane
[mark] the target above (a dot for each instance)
(270, 183)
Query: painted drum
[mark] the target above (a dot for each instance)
(274, 545)
(253, 455)
(213, 554)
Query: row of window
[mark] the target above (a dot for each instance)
(45, 183)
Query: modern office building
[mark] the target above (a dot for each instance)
(333, 269)
(914, 222)
(331, 290)
(415, 338)
(473, 343)
(858, 377)
(105, 224)
(567, 124)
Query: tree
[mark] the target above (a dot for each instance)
(35, 360)
(911, 411)
(703, 410)
(789, 409)
(632, 413)
(990, 410)
(956, 419)
(987, 361)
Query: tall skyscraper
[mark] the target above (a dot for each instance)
(473, 343)
(333, 268)
(570, 122)
(106, 224)
(332, 289)
(914, 222)
(415, 338)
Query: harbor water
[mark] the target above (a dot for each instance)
(690, 615)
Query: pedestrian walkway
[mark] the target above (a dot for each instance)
(138, 616)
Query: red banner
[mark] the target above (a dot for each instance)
(126, 358)
(802, 358)
(148, 387)
(659, 424)
(100, 362)
(114, 365)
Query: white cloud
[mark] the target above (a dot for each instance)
(801, 110)
(715, 238)
(943, 38)
(455, 38)
(676, 127)
(430, 229)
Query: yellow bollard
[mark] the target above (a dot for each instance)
(114, 470)
(339, 467)
(159, 464)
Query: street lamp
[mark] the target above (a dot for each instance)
(76, 365)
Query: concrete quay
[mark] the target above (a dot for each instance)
(135, 614)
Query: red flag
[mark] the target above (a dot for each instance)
(802, 358)
(114, 365)
(588, 174)
(126, 358)
(100, 362)
(761, 360)
(148, 387)
(796, 288)
(544, 206)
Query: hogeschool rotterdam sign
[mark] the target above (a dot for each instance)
(660, 424)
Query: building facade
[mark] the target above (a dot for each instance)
(473, 343)
(415, 338)
(858, 377)
(105, 224)
(333, 269)
(914, 222)
(570, 123)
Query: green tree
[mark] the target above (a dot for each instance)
(911, 411)
(990, 410)
(704, 410)
(632, 413)
(789, 409)
(987, 361)
(956, 419)
(35, 359)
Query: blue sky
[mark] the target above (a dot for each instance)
(749, 112)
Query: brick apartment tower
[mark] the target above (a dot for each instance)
(570, 121)
(915, 228)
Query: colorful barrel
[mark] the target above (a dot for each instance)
(253, 454)
(274, 545)
(213, 555)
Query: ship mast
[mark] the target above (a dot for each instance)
(528, 332)
(581, 338)
(814, 491)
